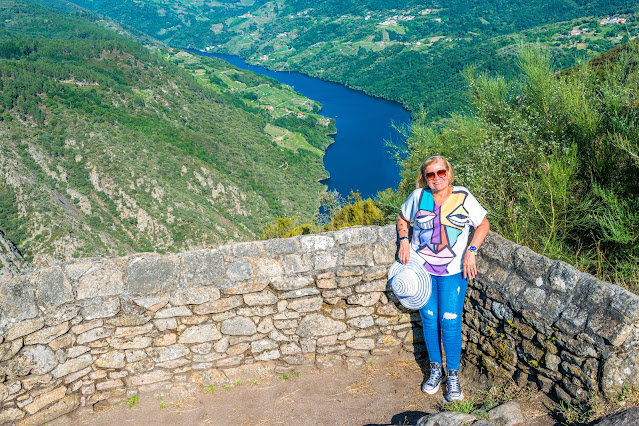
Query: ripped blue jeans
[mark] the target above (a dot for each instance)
(442, 319)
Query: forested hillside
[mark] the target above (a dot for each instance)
(107, 147)
(410, 51)
(554, 156)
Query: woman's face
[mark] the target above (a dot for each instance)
(437, 176)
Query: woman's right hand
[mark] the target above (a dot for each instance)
(404, 251)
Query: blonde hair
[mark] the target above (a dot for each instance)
(422, 182)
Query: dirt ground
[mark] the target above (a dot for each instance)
(387, 393)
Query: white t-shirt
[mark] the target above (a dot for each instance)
(440, 233)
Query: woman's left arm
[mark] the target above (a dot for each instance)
(469, 269)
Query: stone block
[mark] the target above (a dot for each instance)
(327, 340)
(352, 312)
(590, 293)
(61, 407)
(75, 376)
(217, 306)
(262, 345)
(232, 361)
(18, 303)
(165, 324)
(136, 342)
(384, 254)
(9, 415)
(317, 325)
(291, 283)
(361, 322)
(53, 288)
(177, 311)
(61, 314)
(265, 297)
(534, 296)
(625, 304)
(239, 271)
(148, 378)
(309, 304)
(239, 326)
(303, 292)
(168, 353)
(366, 299)
(92, 335)
(111, 359)
(46, 335)
(109, 384)
(35, 360)
(45, 399)
(572, 320)
(101, 279)
(268, 355)
(364, 344)
(359, 256)
(326, 260)
(372, 286)
(290, 349)
(152, 303)
(102, 309)
(297, 264)
(268, 268)
(282, 245)
(133, 331)
(507, 414)
(203, 267)
(498, 248)
(531, 266)
(194, 296)
(73, 365)
(285, 324)
(208, 377)
(152, 275)
(233, 288)
(25, 327)
(338, 293)
(605, 324)
(310, 243)
(248, 372)
(200, 334)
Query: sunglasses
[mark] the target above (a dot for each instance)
(441, 173)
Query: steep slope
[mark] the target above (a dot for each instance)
(107, 147)
(410, 51)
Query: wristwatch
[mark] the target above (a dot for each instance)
(472, 249)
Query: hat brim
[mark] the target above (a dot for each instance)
(424, 285)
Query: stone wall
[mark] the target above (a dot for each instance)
(98, 329)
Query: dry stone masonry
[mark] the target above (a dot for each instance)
(104, 329)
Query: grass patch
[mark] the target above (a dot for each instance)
(285, 376)
(132, 402)
(465, 406)
(595, 407)
(210, 388)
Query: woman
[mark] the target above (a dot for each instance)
(442, 216)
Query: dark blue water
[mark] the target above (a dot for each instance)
(359, 160)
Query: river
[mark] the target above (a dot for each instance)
(359, 159)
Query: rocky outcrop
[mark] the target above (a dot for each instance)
(11, 260)
(95, 329)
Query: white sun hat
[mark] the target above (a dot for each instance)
(411, 283)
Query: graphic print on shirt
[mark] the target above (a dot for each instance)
(438, 228)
